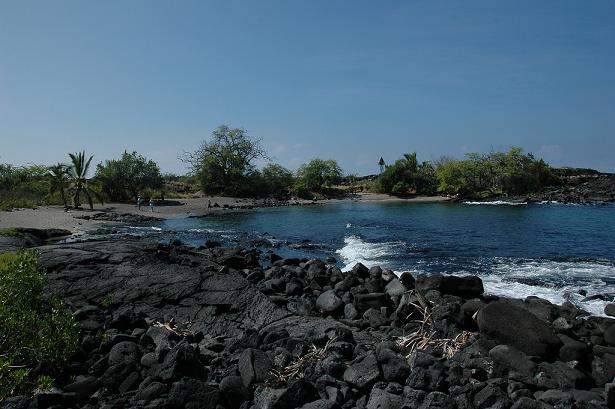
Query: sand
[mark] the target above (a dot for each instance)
(46, 217)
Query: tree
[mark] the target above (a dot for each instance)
(128, 176)
(318, 175)
(406, 176)
(223, 163)
(58, 180)
(78, 174)
(277, 180)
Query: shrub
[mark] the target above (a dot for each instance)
(37, 332)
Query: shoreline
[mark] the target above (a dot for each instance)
(54, 217)
(168, 323)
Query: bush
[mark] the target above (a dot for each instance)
(317, 176)
(37, 332)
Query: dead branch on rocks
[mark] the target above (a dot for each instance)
(426, 337)
(296, 369)
(172, 327)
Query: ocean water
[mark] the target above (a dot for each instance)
(547, 250)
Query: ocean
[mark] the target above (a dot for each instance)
(552, 250)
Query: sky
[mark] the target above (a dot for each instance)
(351, 80)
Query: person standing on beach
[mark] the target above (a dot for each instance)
(151, 204)
(139, 200)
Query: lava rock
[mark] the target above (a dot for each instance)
(363, 372)
(254, 366)
(329, 303)
(234, 391)
(511, 325)
(193, 394)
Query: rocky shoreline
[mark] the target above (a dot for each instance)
(170, 326)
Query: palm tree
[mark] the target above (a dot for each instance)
(58, 180)
(78, 173)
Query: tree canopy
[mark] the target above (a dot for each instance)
(318, 175)
(224, 163)
(127, 177)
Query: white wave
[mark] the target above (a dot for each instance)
(348, 225)
(356, 250)
(496, 203)
(140, 228)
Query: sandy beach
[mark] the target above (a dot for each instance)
(46, 217)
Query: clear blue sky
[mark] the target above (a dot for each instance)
(351, 80)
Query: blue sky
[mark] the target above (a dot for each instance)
(350, 80)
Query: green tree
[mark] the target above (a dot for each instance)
(58, 180)
(128, 176)
(407, 176)
(318, 175)
(277, 180)
(224, 163)
(78, 174)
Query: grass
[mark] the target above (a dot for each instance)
(9, 231)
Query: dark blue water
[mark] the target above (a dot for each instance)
(550, 251)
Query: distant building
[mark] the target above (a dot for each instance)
(382, 164)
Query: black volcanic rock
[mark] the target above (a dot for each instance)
(511, 325)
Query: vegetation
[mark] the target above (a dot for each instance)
(478, 176)
(486, 175)
(406, 176)
(125, 178)
(37, 333)
(78, 173)
(24, 187)
(317, 176)
(225, 164)
(58, 180)
(9, 231)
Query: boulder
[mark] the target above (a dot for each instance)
(363, 372)
(509, 358)
(359, 270)
(379, 399)
(465, 287)
(234, 391)
(254, 366)
(192, 394)
(609, 309)
(514, 326)
(407, 280)
(609, 335)
(124, 352)
(294, 395)
(150, 392)
(364, 302)
(329, 303)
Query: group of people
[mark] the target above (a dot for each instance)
(140, 201)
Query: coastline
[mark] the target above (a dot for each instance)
(54, 217)
(176, 326)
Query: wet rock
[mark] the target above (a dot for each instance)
(359, 270)
(254, 366)
(407, 280)
(511, 325)
(609, 309)
(466, 287)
